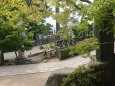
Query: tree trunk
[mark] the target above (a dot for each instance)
(1, 57)
(16, 54)
(21, 54)
(106, 38)
(57, 24)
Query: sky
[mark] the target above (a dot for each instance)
(52, 22)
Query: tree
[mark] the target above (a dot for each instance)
(101, 12)
(57, 10)
(40, 28)
(82, 30)
(4, 31)
(14, 18)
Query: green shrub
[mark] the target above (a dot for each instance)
(81, 48)
(64, 53)
(97, 74)
(86, 46)
(83, 76)
(72, 51)
(41, 47)
(68, 52)
(52, 46)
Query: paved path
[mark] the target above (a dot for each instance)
(11, 55)
(43, 67)
(36, 79)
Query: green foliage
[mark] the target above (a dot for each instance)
(5, 29)
(14, 19)
(30, 35)
(41, 47)
(52, 46)
(28, 44)
(82, 29)
(96, 74)
(65, 34)
(83, 76)
(86, 46)
(99, 10)
(68, 52)
(62, 18)
(81, 48)
(73, 51)
(64, 54)
(15, 41)
(43, 28)
(37, 10)
(12, 39)
(15, 15)
(47, 46)
(65, 15)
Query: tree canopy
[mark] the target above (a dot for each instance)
(15, 16)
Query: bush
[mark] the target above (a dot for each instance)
(68, 52)
(94, 75)
(83, 76)
(64, 53)
(52, 46)
(81, 48)
(41, 47)
(72, 51)
(86, 46)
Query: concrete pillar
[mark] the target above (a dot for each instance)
(105, 34)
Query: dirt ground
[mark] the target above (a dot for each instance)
(41, 58)
(37, 58)
(37, 79)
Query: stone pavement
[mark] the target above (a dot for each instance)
(43, 67)
(11, 55)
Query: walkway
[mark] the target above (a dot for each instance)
(11, 55)
(43, 67)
